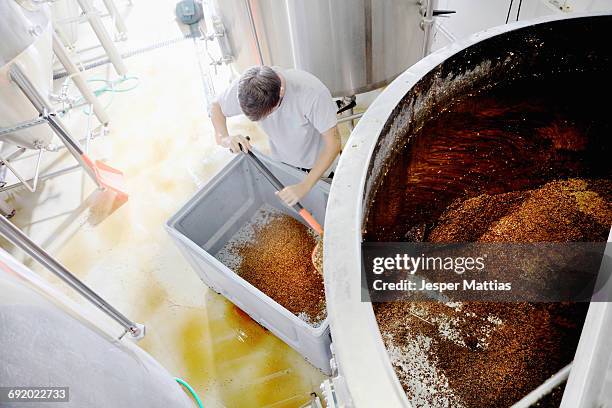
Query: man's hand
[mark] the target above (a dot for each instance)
(235, 142)
(294, 193)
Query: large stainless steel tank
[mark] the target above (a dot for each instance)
(46, 340)
(25, 40)
(364, 376)
(353, 46)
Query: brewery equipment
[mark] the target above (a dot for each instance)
(352, 46)
(575, 43)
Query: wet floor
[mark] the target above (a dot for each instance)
(161, 138)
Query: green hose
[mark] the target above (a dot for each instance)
(191, 391)
(111, 87)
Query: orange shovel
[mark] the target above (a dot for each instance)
(108, 177)
(102, 174)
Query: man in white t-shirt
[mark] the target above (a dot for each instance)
(297, 112)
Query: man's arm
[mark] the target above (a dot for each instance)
(294, 193)
(222, 136)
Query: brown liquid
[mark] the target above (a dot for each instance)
(510, 138)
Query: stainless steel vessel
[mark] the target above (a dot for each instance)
(47, 340)
(353, 46)
(363, 375)
(25, 33)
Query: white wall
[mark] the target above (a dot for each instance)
(476, 15)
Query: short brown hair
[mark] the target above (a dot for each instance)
(258, 91)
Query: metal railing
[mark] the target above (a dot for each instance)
(23, 242)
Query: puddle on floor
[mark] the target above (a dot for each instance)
(197, 335)
(233, 360)
(126, 255)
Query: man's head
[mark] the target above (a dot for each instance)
(259, 92)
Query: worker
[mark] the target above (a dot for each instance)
(296, 111)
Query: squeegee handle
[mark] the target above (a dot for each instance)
(304, 213)
(268, 174)
(310, 220)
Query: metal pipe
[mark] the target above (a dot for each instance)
(368, 40)
(254, 30)
(72, 145)
(116, 16)
(86, 49)
(105, 40)
(350, 117)
(42, 106)
(351, 123)
(43, 177)
(22, 241)
(22, 126)
(3, 169)
(220, 35)
(544, 389)
(76, 75)
(34, 181)
(28, 89)
(207, 82)
(81, 18)
(16, 153)
(103, 59)
(428, 21)
(62, 34)
(88, 132)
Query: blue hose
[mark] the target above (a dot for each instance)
(191, 391)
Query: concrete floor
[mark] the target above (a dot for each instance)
(161, 138)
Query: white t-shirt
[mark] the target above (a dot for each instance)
(295, 127)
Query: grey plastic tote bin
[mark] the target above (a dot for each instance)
(210, 219)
